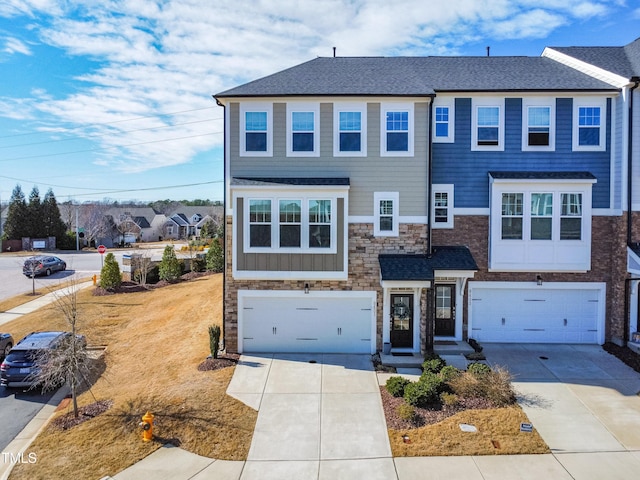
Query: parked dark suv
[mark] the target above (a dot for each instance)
(18, 367)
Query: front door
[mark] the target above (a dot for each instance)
(402, 320)
(445, 311)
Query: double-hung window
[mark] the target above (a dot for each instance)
(385, 205)
(538, 124)
(442, 209)
(319, 223)
(488, 124)
(302, 130)
(256, 132)
(397, 129)
(443, 121)
(541, 216)
(290, 223)
(259, 223)
(589, 126)
(512, 213)
(571, 217)
(350, 129)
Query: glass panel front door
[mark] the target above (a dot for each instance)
(402, 321)
(445, 311)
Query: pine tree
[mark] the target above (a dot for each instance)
(215, 256)
(35, 215)
(110, 276)
(169, 268)
(16, 225)
(52, 223)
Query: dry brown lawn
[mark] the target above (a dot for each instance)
(498, 433)
(13, 302)
(155, 341)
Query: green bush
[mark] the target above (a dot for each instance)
(433, 365)
(396, 385)
(214, 339)
(479, 369)
(406, 412)
(169, 268)
(110, 276)
(424, 392)
(215, 256)
(449, 399)
(448, 372)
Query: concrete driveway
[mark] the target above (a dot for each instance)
(318, 414)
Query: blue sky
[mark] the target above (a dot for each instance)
(111, 99)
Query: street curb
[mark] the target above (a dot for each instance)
(25, 438)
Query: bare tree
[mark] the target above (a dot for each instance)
(141, 265)
(68, 362)
(94, 221)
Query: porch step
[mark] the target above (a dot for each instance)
(451, 348)
(404, 361)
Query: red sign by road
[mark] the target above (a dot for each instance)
(101, 249)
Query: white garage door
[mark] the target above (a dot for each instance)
(559, 313)
(314, 322)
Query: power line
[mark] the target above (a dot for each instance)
(169, 187)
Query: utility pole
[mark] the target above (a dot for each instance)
(77, 233)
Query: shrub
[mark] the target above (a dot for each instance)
(433, 365)
(449, 399)
(396, 385)
(406, 412)
(479, 369)
(215, 256)
(448, 372)
(493, 385)
(170, 268)
(498, 387)
(424, 392)
(110, 276)
(214, 340)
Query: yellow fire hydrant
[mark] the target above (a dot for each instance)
(147, 427)
(95, 280)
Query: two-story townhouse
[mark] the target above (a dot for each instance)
(385, 201)
(620, 67)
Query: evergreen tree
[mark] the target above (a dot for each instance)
(35, 215)
(215, 256)
(110, 276)
(169, 268)
(16, 226)
(53, 226)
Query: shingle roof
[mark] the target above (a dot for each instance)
(418, 76)
(623, 61)
(142, 222)
(543, 175)
(295, 181)
(420, 267)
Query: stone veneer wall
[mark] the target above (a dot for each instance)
(608, 262)
(364, 272)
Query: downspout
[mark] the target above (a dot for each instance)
(627, 283)
(224, 220)
(429, 173)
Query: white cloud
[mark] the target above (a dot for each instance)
(157, 57)
(13, 45)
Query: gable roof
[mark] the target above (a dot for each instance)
(623, 61)
(418, 76)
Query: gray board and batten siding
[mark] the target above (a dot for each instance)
(373, 173)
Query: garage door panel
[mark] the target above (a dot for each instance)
(535, 315)
(307, 324)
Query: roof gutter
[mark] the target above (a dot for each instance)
(636, 81)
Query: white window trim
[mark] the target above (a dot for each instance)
(487, 102)
(303, 107)
(590, 102)
(256, 107)
(396, 107)
(349, 107)
(304, 225)
(528, 255)
(538, 102)
(442, 188)
(395, 199)
(450, 104)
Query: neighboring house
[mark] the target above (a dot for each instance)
(374, 202)
(134, 224)
(619, 67)
(186, 222)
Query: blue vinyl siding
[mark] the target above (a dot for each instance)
(468, 170)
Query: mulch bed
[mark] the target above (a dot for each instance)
(87, 412)
(223, 361)
(132, 287)
(425, 416)
(625, 354)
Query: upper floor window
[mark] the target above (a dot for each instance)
(350, 129)
(442, 211)
(255, 137)
(397, 130)
(385, 206)
(488, 124)
(443, 122)
(538, 124)
(302, 130)
(589, 126)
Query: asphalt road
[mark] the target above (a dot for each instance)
(17, 408)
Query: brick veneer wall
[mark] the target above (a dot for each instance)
(363, 265)
(608, 262)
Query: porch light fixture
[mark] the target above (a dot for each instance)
(539, 279)
(306, 288)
